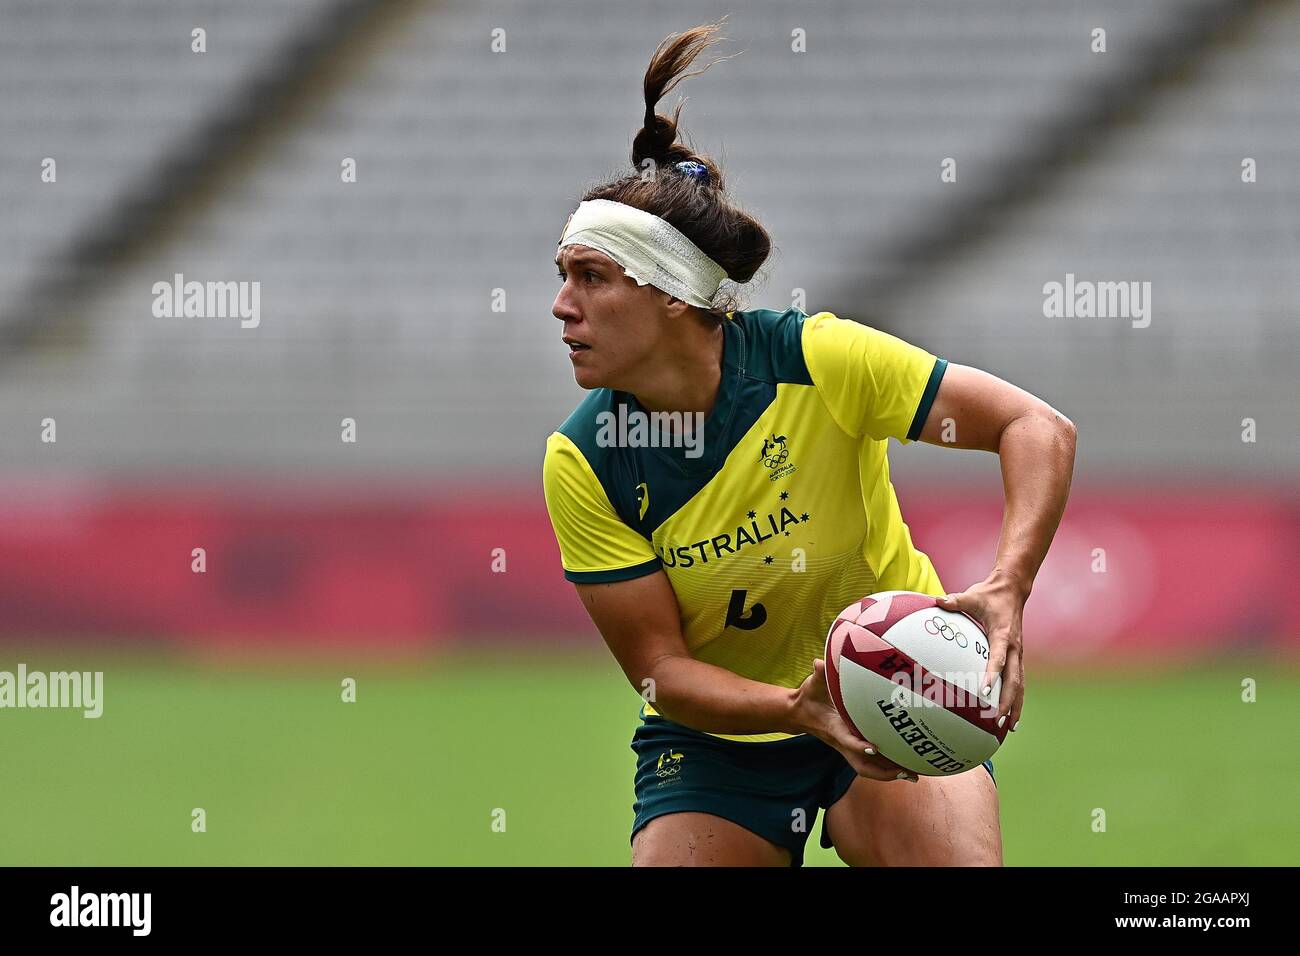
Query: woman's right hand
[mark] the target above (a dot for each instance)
(814, 713)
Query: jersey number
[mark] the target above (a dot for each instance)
(736, 616)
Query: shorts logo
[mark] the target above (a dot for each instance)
(670, 762)
(939, 627)
(642, 499)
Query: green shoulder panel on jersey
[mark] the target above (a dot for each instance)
(583, 424)
(595, 543)
(647, 485)
(776, 345)
(589, 428)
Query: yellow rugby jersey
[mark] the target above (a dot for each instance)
(788, 515)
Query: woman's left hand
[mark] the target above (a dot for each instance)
(998, 603)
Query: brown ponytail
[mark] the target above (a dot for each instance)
(693, 204)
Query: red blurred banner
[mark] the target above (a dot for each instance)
(1131, 571)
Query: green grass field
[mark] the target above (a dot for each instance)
(412, 772)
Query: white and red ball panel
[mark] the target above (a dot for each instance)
(906, 675)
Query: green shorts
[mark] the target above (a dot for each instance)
(774, 788)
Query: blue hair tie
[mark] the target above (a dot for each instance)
(689, 167)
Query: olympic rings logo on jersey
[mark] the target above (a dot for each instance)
(774, 453)
(939, 627)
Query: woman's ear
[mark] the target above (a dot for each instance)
(676, 308)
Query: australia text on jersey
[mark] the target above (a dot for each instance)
(773, 523)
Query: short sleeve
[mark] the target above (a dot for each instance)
(596, 546)
(873, 383)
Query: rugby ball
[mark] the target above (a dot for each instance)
(906, 675)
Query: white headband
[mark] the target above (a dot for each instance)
(649, 249)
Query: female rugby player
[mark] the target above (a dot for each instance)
(714, 565)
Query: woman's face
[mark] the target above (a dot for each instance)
(611, 324)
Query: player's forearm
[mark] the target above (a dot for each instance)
(714, 700)
(1037, 456)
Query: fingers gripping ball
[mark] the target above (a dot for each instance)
(907, 675)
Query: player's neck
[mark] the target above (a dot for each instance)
(687, 380)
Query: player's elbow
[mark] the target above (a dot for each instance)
(1067, 432)
(1042, 425)
(1064, 435)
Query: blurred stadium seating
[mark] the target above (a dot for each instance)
(377, 296)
